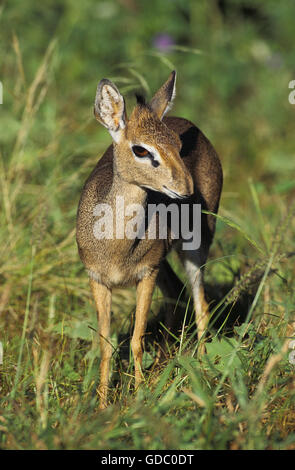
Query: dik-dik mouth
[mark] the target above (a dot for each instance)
(174, 194)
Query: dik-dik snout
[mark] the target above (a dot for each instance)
(179, 182)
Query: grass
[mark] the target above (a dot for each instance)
(241, 395)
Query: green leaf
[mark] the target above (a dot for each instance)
(74, 329)
(219, 353)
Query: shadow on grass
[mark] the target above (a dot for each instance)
(225, 315)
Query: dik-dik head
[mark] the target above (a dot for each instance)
(146, 151)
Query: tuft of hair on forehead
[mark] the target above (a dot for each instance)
(140, 99)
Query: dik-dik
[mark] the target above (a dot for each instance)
(153, 159)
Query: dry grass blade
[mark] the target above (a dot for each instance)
(21, 79)
(35, 95)
(270, 366)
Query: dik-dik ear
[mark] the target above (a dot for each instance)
(109, 108)
(162, 101)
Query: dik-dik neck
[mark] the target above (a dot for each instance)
(132, 193)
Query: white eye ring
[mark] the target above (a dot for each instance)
(152, 156)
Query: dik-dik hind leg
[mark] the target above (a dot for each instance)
(103, 297)
(193, 260)
(144, 292)
(172, 288)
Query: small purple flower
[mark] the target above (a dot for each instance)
(163, 42)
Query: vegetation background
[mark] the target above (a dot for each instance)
(235, 59)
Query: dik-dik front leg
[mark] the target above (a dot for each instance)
(103, 298)
(144, 292)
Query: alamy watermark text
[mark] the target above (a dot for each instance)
(133, 221)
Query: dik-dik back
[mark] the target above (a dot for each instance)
(153, 160)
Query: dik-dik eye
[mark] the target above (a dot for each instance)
(140, 151)
(146, 155)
